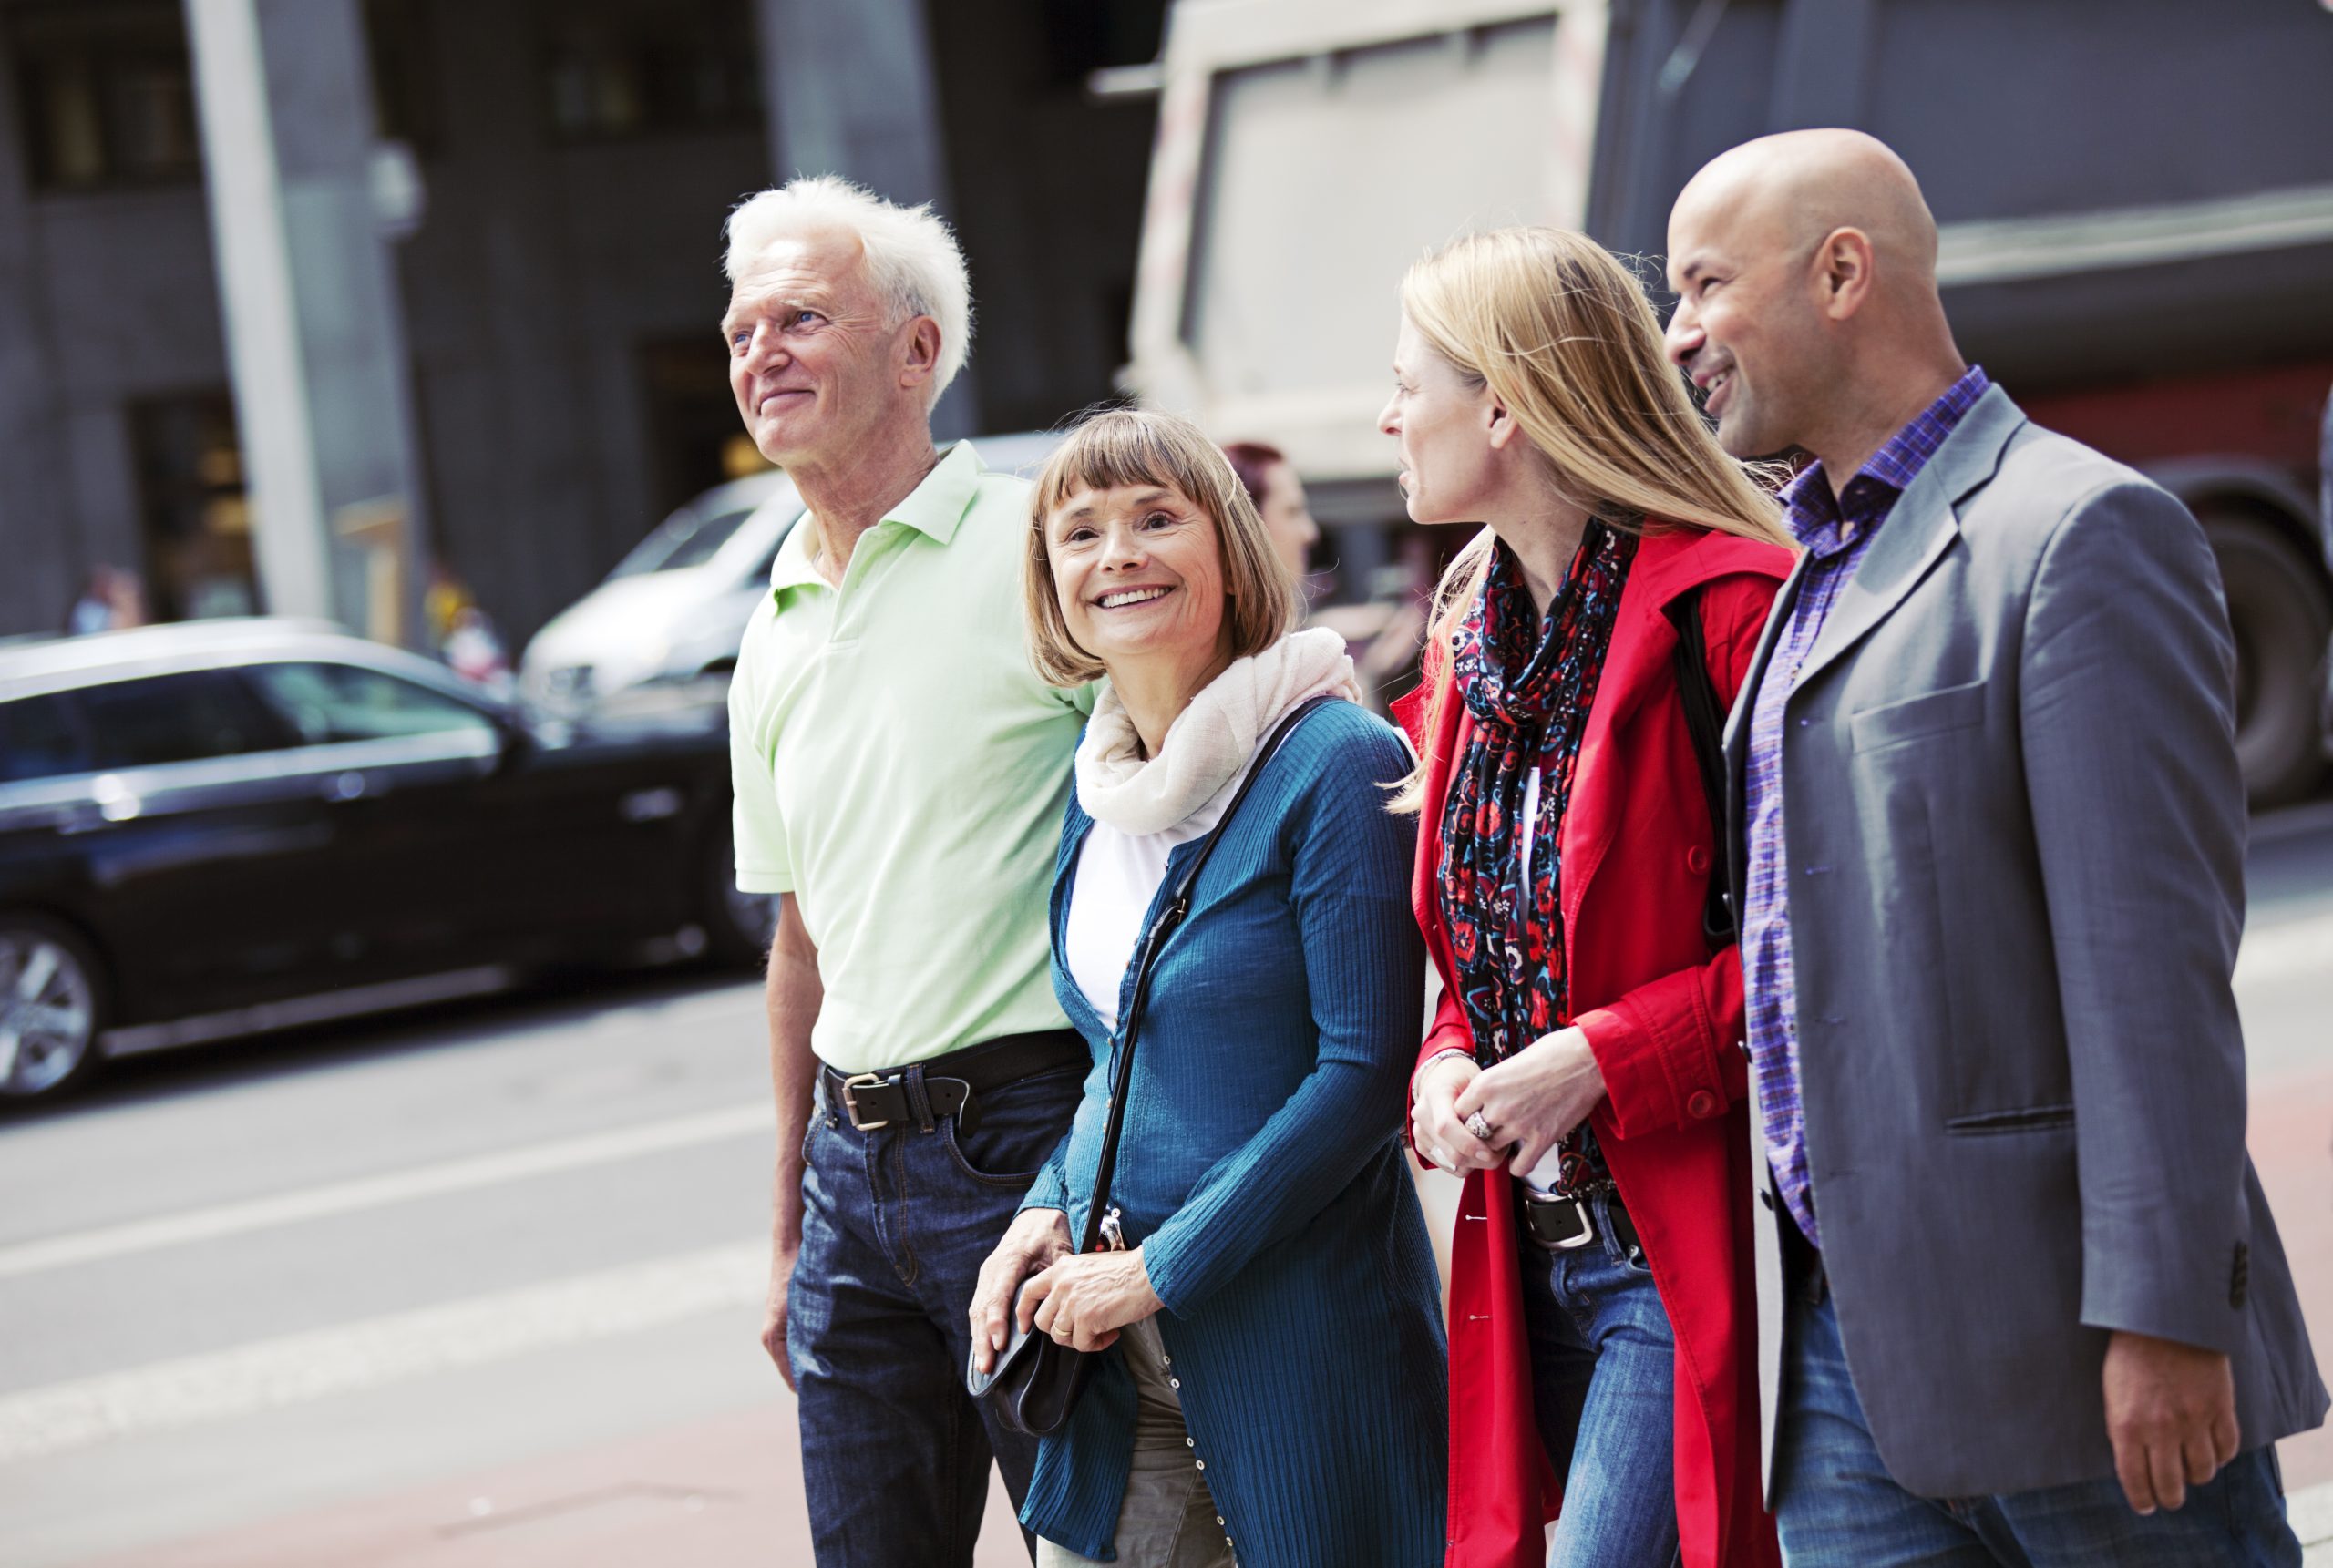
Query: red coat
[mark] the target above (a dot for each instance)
(1664, 1018)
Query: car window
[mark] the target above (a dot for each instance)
(683, 540)
(41, 738)
(182, 718)
(327, 704)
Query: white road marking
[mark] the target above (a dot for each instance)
(376, 1192)
(2287, 952)
(349, 1358)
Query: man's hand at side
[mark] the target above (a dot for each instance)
(792, 996)
(781, 1280)
(2171, 1414)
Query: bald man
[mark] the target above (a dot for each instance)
(1989, 853)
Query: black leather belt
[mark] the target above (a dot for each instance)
(953, 1083)
(1560, 1225)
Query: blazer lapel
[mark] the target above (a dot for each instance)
(1919, 530)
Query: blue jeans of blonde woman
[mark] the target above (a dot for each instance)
(1167, 1520)
(1602, 1355)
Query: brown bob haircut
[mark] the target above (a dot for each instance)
(1125, 447)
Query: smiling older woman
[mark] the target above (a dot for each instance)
(1273, 1373)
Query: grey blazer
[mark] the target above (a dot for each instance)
(2015, 833)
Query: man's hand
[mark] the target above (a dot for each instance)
(1436, 1126)
(1083, 1300)
(781, 1279)
(1035, 1241)
(2171, 1413)
(1534, 1097)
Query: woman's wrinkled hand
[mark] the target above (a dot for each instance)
(1036, 1239)
(1438, 1130)
(1535, 1096)
(1083, 1300)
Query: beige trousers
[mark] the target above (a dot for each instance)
(1167, 1520)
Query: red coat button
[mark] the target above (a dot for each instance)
(1702, 1104)
(1697, 860)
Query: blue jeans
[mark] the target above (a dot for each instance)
(896, 1224)
(1602, 1380)
(1840, 1508)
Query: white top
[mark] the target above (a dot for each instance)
(1118, 873)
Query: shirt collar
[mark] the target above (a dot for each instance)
(1823, 522)
(933, 508)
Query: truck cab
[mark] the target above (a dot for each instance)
(2149, 283)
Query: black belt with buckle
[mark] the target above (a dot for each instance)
(1561, 1225)
(951, 1082)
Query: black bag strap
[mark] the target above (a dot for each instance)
(1170, 915)
(1705, 723)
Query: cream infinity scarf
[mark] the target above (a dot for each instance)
(1210, 741)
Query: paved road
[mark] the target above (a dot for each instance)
(479, 1286)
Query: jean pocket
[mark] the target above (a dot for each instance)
(2025, 1119)
(1014, 1129)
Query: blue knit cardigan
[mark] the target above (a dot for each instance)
(1260, 1170)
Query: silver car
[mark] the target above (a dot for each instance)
(664, 627)
(669, 618)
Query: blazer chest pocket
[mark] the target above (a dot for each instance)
(1930, 713)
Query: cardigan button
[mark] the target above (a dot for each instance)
(1702, 1104)
(1697, 860)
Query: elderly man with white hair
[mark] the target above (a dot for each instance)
(900, 772)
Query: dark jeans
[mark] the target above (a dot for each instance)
(896, 1225)
(1603, 1381)
(1839, 1508)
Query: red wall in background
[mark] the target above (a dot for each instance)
(2274, 414)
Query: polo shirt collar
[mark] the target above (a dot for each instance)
(933, 508)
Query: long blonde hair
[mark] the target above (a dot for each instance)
(1567, 342)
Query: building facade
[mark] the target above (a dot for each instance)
(434, 282)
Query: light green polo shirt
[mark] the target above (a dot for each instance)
(901, 770)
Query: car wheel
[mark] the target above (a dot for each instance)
(2277, 609)
(739, 926)
(52, 1006)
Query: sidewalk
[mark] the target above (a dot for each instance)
(726, 1492)
(729, 1491)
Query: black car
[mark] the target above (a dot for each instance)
(200, 822)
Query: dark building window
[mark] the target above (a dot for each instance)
(1082, 37)
(196, 519)
(106, 92)
(405, 106)
(637, 67)
(695, 437)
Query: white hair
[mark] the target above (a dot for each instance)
(912, 258)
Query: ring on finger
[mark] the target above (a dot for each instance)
(1480, 1126)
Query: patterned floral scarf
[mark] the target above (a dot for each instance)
(1528, 685)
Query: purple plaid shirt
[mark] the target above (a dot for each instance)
(1836, 533)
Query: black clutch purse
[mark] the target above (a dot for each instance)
(1035, 1383)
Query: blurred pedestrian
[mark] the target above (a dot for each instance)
(900, 771)
(111, 601)
(1991, 862)
(1278, 1373)
(1271, 481)
(1581, 1071)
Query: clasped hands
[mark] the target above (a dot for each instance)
(1079, 1299)
(1528, 1102)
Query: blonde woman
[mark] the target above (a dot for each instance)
(1273, 1374)
(1582, 1070)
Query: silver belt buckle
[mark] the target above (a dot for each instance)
(1578, 1207)
(851, 1101)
